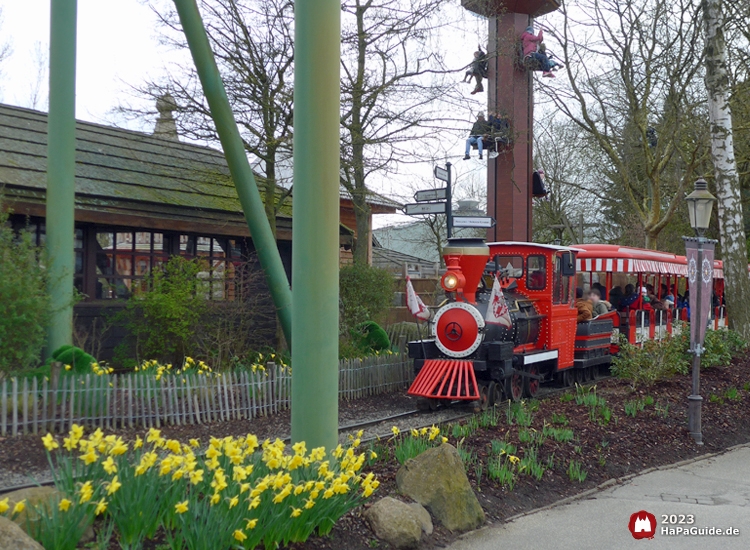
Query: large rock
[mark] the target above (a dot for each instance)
(12, 537)
(40, 497)
(395, 522)
(437, 479)
(423, 516)
(34, 496)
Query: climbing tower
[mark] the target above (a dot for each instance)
(510, 93)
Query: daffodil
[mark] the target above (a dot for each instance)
(86, 492)
(89, 457)
(239, 535)
(101, 507)
(4, 506)
(395, 430)
(194, 443)
(181, 507)
(233, 502)
(64, 505)
(251, 523)
(138, 442)
(19, 507)
(109, 465)
(296, 512)
(49, 442)
(113, 486)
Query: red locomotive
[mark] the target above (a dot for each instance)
(500, 339)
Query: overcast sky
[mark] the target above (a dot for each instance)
(118, 47)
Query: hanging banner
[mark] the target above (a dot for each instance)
(700, 271)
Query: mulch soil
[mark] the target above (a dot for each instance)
(622, 446)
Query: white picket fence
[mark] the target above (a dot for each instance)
(138, 399)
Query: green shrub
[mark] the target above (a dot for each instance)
(23, 294)
(162, 320)
(660, 360)
(366, 293)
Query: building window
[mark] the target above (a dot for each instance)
(536, 272)
(125, 260)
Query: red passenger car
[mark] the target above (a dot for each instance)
(488, 343)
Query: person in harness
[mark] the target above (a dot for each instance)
(531, 54)
(476, 136)
(478, 70)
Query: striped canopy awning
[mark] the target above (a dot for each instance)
(629, 265)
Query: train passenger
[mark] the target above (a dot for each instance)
(615, 295)
(630, 299)
(531, 43)
(478, 130)
(585, 311)
(598, 306)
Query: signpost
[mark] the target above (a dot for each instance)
(431, 195)
(416, 209)
(473, 221)
(442, 195)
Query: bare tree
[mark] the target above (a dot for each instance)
(395, 89)
(253, 41)
(733, 240)
(5, 49)
(631, 67)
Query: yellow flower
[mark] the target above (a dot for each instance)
(64, 505)
(76, 431)
(181, 507)
(254, 503)
(89, 457)
(309, 503)
(101, 507)
(49, 442)
(70, 443)
(196, 476)
(194, 443)
(114, 485)
(153, 435)
(19, 507)
(296, 512)
(444, 439)
(513, 459)
(367, 491)
(4, 506)
(373, 455)
(138, 442)
(251, 523)
(68, 367)
(414, 433)
(86, 492)
(109, 465)
(215, 498)
(239, 535)
(395, 430)
(233, 502)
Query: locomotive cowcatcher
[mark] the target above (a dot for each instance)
(488, 344)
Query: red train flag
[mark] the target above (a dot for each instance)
(414, 303)
(497, 309)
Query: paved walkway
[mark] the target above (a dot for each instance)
(715, 490)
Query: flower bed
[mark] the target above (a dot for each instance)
(237, 493)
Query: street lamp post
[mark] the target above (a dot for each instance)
(700, 251)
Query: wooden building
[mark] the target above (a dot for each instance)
(140, 198)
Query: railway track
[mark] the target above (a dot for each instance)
(380, 428)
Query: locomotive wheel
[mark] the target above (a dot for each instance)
(586, 372)
(514, 387)
(484, 398)
(580, 377)
(568, 377)
(492, 390)
(531, 385)
(423, 404)
(595, 373)
(433, 404)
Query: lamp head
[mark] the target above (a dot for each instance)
(700, 204)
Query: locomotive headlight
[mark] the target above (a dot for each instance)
(452, 281)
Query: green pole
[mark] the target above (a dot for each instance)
(239, 167)
(61, 165)
(315, 231)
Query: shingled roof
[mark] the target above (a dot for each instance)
(121, 175)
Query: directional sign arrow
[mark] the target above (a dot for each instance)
(473, 221)
(442, 174)
(431, 195)
(416, 209)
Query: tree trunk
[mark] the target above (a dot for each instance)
(731, 224)
(359, 194)
(270, 192)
